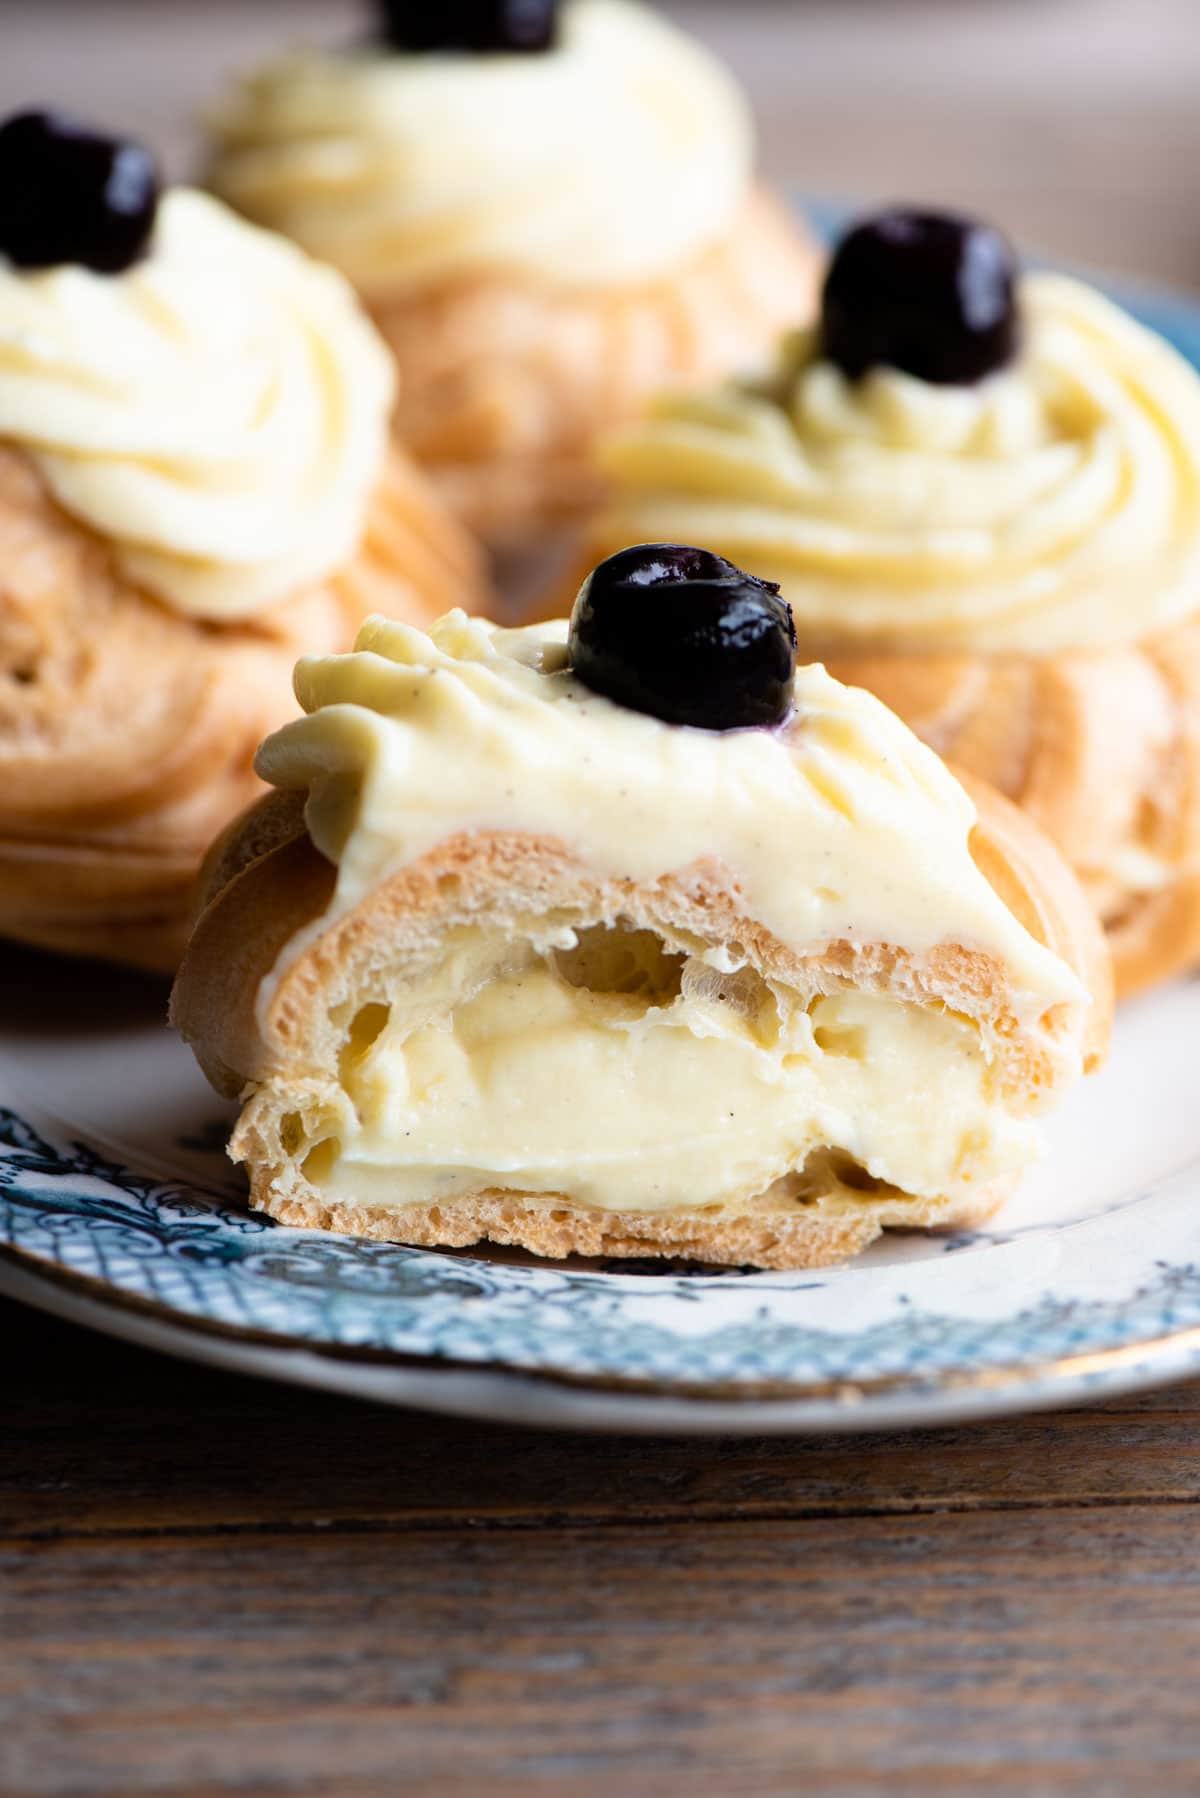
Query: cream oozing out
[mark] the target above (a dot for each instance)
(607, 161)
(218, 413)
(1055, 505)
(517, 1071)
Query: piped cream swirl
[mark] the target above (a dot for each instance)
(218, 413)
(1054, 506)
(606, 161)
(841, 827)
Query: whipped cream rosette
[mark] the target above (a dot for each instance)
(196, 477)
(218, 413)
(1053, 506)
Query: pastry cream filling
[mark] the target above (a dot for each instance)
(218, 413)
(840, 826)
(608, 160)
(1053, 506)
(630, 1076)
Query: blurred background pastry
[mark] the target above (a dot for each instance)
(195, 480)
(980, 492)
(551, 210)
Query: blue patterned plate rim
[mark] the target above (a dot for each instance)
(506, 1396)
(199, 1258)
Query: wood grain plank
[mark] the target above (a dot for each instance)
(719, 1656)
(105, 1439)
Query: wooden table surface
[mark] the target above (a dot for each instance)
(212, 1585)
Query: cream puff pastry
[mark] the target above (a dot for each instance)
(196, 481)
(993, 525)
(550, 212)
(631, 941)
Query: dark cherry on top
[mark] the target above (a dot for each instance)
(685, 636)
(483, 25)
(68, 194)
(929, 293)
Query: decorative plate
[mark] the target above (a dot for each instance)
(118, 1208)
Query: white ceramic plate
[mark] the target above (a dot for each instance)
(117, 1208)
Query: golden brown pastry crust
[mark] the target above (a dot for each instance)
(505, 384)
(265, 883)
(127, 731)
(1101, 749)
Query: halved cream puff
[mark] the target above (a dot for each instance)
(631, 939)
